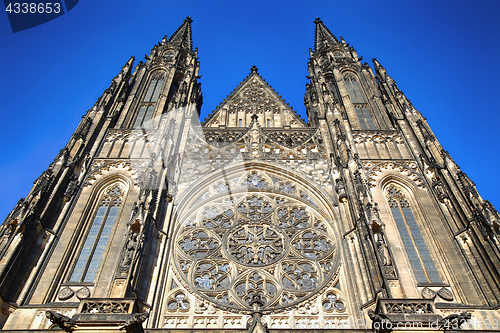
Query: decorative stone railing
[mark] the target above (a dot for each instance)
(105, 310)
(106, 306)
(409, 310)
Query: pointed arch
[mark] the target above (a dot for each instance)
(353, 88)
(364, 114)
(401, 203)
(103, 212)
(150, 98)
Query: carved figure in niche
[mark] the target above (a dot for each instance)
(376, 215)
(314, 97)
(333, 170)
(440, 192)
(129, 249)
(490, 214)
(382, 249)
(340, 188)
(360, 186)
(70, 190)
(9, 229)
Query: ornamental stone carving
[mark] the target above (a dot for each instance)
(261, 245)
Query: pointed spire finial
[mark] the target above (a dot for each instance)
(323, 36)
(254, 69)
(183, 35)
(379, 69)
(376, 63)
(129, 62)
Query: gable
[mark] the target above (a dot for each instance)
(254, 96)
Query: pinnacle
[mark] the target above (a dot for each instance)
(183, 35)
(378, 67)
(376, 63)
(323, 36)
(128, 64)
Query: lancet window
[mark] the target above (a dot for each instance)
(150, 98)
(413, 241)
(97, 239)
(363, 113)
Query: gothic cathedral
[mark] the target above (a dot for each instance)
(253, 220)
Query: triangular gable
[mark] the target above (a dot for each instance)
(254, 96)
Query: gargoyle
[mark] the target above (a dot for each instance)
(134, 321)
(65, 323)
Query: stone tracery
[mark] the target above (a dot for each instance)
(261, 244)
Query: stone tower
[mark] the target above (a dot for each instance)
(253, 220)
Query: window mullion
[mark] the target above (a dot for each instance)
(96, 241)
(417, 250)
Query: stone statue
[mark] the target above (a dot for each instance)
(129, 249)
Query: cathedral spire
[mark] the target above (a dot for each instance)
(323, 36)
(183, 36)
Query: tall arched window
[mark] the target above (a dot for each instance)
(413, 241)
(149, 102)
(97, 239)
(358, 99)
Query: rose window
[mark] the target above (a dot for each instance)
(256, 243)
(277, 248)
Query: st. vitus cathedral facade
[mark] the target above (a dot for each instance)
(253, 220)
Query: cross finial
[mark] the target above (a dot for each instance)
(318, 20)
(254, 69)
(188, 19)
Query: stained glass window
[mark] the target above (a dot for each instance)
(363, 113)
(413, 241)
(97, 239)
(149, 102)
(354, 90)
(365, 118)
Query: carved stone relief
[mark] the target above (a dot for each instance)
(302, 152)
(100, 167)
(409, 169)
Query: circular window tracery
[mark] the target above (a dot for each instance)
(263, 244)
(256, 243)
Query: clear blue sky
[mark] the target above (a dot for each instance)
(443, 55)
